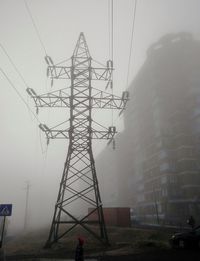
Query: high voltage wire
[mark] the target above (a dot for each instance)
(18, 72)
(18, 93)
(22, 78)
(130, 51)
(110, 37)
(112, 30)
(43, 47)
(23, 100)
(15, 67)
(131, 44)
(109, 29)
(35, 27)
(112, 50)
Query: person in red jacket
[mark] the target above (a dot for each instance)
(79, 254)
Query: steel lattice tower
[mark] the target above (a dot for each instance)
(79, 189)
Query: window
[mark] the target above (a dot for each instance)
(162, 154)
(163, 180)
(164, 166)
(164, 192)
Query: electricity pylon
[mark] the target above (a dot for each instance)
(79, 201)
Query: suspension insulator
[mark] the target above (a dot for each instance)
(125, 95)
(48, 60)
(109, 64)
(41, 126)
(112, 129)
(29, 91)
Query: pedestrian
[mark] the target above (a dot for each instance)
(191, 222)
(79, 254)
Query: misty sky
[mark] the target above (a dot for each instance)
(23, 151)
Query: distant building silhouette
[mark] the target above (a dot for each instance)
(156, 166)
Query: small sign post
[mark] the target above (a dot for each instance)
(5, 210)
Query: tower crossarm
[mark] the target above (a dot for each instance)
(52, 99)
(81, 69)
(104, 135)
(64, 72)
(103, 100)
(59, 72)
(53, 133)
(99, 99)
(101, 134)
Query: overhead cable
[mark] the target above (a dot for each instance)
(110, 44)
(112, 30)
(18, 93)
(23, 100)
(109, 29)
(15, 67)
(131, 44)
(35, 27)
(130, 50)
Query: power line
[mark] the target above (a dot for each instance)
(23, 100)
(22, 78)
(131, 44)
(130, 52)
(109, 29)
(18, 93)
(15, 67)
(112, 54)
(112, 30)
(110, 37)
(35, 27)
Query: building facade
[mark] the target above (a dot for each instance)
(164, 119)
(155, 168)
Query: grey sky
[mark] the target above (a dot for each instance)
(59, 23)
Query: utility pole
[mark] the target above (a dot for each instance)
(26, 205)
(79, 201)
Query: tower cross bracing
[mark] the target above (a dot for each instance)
(79, 201)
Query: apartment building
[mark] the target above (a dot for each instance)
(164, 120)
(155, 168)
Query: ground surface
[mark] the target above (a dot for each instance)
(125, 244)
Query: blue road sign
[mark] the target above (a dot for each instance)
(5, 210)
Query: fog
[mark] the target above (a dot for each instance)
(171, 68)
(24, 153)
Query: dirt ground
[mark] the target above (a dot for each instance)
(125, 244)
(157, 255)
(150, 256)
